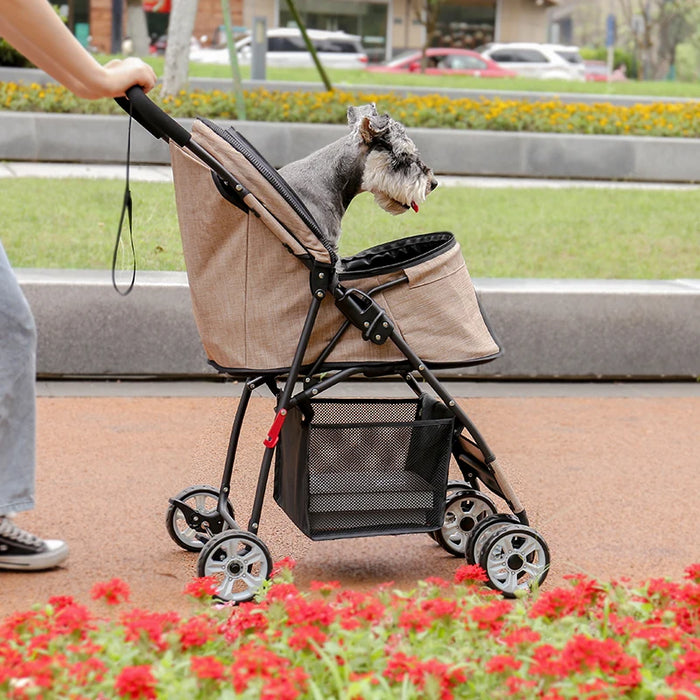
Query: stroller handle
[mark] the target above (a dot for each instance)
(152, 117)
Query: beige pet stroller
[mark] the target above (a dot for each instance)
(275, 307)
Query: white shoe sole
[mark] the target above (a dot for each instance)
(56, 553)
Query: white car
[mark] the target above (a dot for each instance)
(548, 61)
(286, 48)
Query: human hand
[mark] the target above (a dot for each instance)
(121, 74)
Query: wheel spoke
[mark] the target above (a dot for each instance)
(213, 567)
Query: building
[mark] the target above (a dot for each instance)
(386, 26)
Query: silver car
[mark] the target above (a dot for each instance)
(286, 48)
(548, 61)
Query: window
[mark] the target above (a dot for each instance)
(530, 56)
(464, 63)
(504, 56)
(285, 43)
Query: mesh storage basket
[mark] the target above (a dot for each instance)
(362, 467)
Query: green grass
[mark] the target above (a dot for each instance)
(345, 78)
(569, 233)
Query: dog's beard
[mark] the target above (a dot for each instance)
(395, 191)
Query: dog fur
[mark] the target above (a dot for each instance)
(377, 156)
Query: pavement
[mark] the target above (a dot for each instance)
(607, 471)
(163, 173)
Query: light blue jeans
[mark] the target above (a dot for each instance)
(17, 394)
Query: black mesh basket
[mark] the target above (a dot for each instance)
(362, 467)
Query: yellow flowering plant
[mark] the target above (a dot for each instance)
(665, 119)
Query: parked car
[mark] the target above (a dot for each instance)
(286, 48)
(442, 61)
(548, 61)
(596, 71)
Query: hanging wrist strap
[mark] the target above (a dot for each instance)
(126, 212)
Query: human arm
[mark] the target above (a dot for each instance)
(34, 29)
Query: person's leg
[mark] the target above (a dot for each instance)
(18, 549)
(17, 394)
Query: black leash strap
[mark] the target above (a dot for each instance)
(126, 211)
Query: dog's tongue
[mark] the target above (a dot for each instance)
(414, 206)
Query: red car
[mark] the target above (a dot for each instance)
(446, 62)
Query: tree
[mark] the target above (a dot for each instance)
(657, 27)
(136, 27)
(426, 12)
(177, 52)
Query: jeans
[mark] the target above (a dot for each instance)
(17, 394)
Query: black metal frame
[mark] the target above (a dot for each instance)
(359, 309)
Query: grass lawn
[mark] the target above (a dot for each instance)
(343, 78)
(569, 233)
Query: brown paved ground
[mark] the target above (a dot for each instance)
(612, 483)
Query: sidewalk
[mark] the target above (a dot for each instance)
(608, 473)
(163, 173)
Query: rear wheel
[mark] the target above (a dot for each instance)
(192, 518)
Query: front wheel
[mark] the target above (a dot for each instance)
(515, 559)
(238, 561)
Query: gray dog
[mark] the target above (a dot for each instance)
(377, 156)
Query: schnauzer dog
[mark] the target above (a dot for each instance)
(377, 156)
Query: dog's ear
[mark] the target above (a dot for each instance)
(355, 114)
(373, 127)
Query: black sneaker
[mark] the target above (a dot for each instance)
(22, 551)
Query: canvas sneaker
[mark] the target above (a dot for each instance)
(22, 551)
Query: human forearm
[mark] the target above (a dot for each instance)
(35, 30)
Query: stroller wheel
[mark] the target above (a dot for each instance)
(453, 487)
(515, 559)
(238, 561)
(483, 530)
(463, 511)
(192, 517)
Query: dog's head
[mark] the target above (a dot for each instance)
(394, 172)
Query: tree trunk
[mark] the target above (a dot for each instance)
(177, 52)
(136, 27)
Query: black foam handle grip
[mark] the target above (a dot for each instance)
(152, 117)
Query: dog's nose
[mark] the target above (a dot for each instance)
(433, 184)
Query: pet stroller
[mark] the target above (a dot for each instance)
(342, 467)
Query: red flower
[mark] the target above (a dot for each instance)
(153, 626)
(284, 563)
(325, 587)
(113, 592)
(196, 632)
(470, 574)
(136, 682)
(207, 667)
(502, 662)
(307, 637)
(521, 635)
(202, 587)
(692, 573)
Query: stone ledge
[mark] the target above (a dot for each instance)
(549, 329)
(32, 136)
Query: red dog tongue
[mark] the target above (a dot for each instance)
(414, 206)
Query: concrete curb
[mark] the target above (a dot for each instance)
(102, 139)
(549, 329)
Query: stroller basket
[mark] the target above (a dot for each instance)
(362, 467)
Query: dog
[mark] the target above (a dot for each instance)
(377, 156)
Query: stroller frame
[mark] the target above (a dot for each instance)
(513, 555)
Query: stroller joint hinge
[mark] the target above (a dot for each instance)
(320, 279)
(364, 313)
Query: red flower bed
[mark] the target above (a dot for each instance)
(443, 640)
